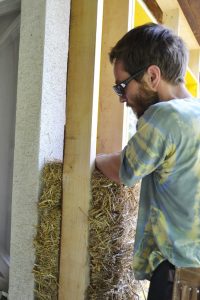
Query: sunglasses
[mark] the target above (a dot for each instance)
(120, 87)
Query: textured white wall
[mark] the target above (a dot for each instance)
(40, 122)
(54, 81)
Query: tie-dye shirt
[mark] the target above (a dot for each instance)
(165, 153)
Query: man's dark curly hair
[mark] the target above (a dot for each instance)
(152, 44)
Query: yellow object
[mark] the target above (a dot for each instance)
(191, 83)
(142, 14)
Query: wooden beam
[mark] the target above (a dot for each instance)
(191, 10)
(111, 112)
(80, 145)
(155, 9)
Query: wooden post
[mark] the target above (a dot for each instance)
(80, 145)
(111, 111)
(194, 64)
(171, 18)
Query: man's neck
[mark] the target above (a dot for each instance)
(168, 92)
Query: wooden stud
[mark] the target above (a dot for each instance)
(171, 19)
(111, 112)
(194, 64)
(80, 145)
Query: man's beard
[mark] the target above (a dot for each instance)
(143, 100)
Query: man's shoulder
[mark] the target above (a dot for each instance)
(168, 115)
(176, 108)
(159, 112)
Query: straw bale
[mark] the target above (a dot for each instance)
(112, 221)
(47, 240)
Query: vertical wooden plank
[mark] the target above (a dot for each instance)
(171, 19)
(126, 117)
(80, 146)
(194, 64)
(111, 112)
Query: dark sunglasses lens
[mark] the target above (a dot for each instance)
(118, 90)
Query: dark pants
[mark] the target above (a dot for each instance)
(161, 284)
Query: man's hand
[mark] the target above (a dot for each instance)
(109, 165)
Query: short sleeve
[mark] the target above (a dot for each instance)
(145, 151)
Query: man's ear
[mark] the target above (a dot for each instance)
(153, 77)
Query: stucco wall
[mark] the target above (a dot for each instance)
(40, 120)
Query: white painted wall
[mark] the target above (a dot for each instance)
(54, 81)
(40, 120)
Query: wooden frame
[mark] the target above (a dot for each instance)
(80, 138)
(80, 145)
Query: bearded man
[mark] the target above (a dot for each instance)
(150, 62)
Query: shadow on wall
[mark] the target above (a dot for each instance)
(9, 48)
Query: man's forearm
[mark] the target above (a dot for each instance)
(109, 165)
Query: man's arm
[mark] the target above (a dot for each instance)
(109, 165)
